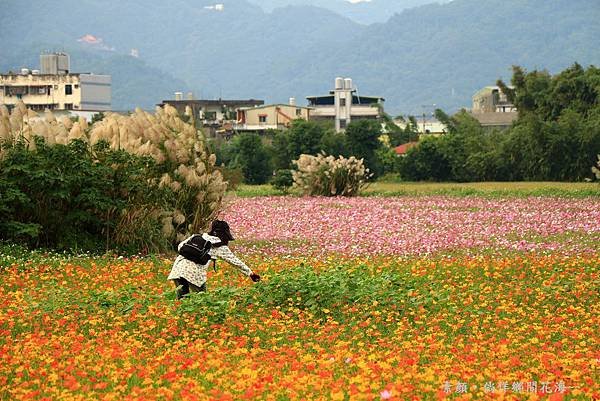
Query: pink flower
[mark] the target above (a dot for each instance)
(409, 226)
(386, 395)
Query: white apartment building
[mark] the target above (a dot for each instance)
(54, 87)
(343, 104)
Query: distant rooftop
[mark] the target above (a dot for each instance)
(492, 119)
(215, 102)
(273, 105)
(330, 99)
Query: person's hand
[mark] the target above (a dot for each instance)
(255, 277)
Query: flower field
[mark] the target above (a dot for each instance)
(403, 298)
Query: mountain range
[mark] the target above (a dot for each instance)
(429, 54)
(362, 11)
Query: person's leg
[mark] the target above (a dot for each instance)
(183, 287)
(195, 288)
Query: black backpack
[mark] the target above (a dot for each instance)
(196, 249)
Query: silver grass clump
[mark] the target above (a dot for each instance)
(163, 136)
(327, 176)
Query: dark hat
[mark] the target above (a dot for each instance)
(220, 228)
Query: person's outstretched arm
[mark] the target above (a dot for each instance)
(223, 252)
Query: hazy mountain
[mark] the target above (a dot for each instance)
(430, 54)
(443, 53)
(361, 11)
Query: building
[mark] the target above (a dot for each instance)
(427, 126)
(492, 108)
(491, 99)
(55, 87)
(210, 112)
(343, 104)
(499, 121)
(273, 116)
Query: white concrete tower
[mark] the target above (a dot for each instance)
(342, 102)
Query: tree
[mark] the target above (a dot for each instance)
(425, 162)
(282, 158)
(252, 157)
(304, 137)
(363, 141)
(334, 143)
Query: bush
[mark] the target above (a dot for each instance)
(283, 180)
(328, 176)
(362, 138)
(73, 196)
(252, 158)
(131, 182)
(233, 176)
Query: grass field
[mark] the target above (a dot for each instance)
(487, 189)
(424, 297)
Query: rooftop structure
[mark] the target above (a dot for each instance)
(493, 109)
(343, 104)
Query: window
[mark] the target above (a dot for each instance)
(262, 118)
(68, 106)
(343, 102)
(342, 124)
(37, 90)
(298, 112)
(68, 89)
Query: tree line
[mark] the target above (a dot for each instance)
(555, 138)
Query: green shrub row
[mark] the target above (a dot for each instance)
(75, 197)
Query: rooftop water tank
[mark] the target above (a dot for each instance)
(348, 83)
(339, 83)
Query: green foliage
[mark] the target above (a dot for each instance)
(556, 137)
(282, 158)
(398, 135)
(425, 162)
(283, 180)
(334, 143)
(320, 293)
(388, 160)
(252, 157)
(233, 176)
(71, 196)
(362, 137)
(304, 137)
